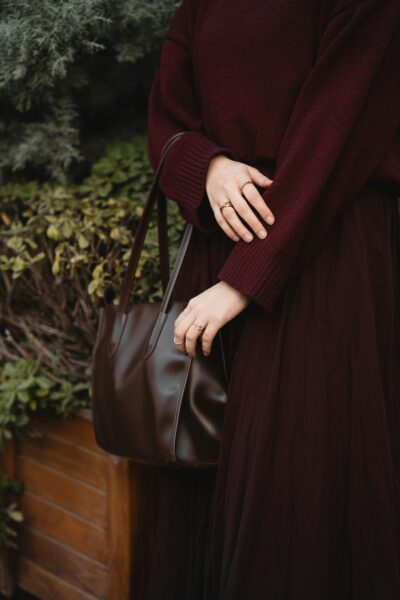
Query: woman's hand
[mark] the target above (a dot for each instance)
(223, 181)
(211, 309)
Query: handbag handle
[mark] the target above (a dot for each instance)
(154, 194)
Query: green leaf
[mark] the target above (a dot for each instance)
(44, 382)
(66, 230)
(56, 266)
(82, 241)
(15, 515)
(93, 285)
(53, 233)
(23, 396)
(38, 257)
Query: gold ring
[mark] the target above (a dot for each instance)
(198, 326)
(225, 204)
(243, 184)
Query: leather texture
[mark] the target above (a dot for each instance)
(151, 402)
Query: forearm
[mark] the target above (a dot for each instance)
(345, 118)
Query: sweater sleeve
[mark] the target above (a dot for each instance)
(342, 124)
(172, 107)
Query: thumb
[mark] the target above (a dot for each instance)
(259, 177)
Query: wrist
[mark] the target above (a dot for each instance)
(215, 163)
(242, 297)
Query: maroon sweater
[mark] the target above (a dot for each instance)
(308, 91)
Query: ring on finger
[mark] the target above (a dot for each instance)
(190, 344)
(225, 204)
(243, 184)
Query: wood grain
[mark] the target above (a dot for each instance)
(79, 506)
(66, 527)
(46, 586)
(76, 496)
(120, 528)
(65, 457)
(75, 429)
(8, 560)
(64, 562)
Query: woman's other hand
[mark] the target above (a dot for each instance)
(211, 310)
(223, 180)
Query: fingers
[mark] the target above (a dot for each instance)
(223, 223)
(259, 177)
(186, 333)
(184, 313)
(254, 198)
(231, 217)
(208, 336)
(249, 211)
(242, 208)
(191, 337)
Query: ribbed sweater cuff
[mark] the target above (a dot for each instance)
(261, 278)
(185, 178)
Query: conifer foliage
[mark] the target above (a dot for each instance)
(73, 74)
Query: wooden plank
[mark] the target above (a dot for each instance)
(46, 586)
(63, 561)
(120, 529)
(66, 527)
(75, 429)
(8, 459)
(8, 559)
(74, 495)
(7, 573)
(86, 413)
(78, 463)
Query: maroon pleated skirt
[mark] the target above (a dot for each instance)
(305, 501)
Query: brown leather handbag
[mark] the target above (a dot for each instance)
(151, 402)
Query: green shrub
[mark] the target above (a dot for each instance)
(74, 74)
(63, 253)
(24, 390)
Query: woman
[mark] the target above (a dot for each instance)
(292, 110)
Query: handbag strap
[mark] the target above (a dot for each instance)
(154, 194)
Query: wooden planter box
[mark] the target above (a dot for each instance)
(83, 516)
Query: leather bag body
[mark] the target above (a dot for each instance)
(151, 402)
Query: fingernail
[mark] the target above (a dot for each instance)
(236, 239)
(262, 234)
(248, 237)
(270, 219)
